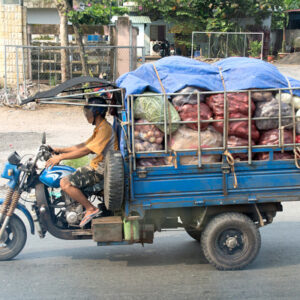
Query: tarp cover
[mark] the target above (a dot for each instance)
(177, 72)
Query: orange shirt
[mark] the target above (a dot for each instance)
(102, 140)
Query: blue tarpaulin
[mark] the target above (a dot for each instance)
(177, 72)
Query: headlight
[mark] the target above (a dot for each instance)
(10, 172)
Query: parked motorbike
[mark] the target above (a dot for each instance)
(163, 48)
(52, 210)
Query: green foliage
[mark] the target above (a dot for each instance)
(278, 7)
(95, 14)
(77, 162)
(255, 48)
(204, 15)
(52, 80)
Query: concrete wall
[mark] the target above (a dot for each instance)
(42, 16)
(140, 37)
(12, 32)
(39, 4)
(125, 35)
(147, 39)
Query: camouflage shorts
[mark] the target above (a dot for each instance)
(86, 176)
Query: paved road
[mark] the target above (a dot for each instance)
(172, 268)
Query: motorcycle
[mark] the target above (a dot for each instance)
(163, 48)
(52, 210)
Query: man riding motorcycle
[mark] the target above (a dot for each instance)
(102, 140)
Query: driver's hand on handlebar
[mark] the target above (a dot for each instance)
(54, 160)
(54, 150)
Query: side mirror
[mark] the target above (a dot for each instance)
(44, 138)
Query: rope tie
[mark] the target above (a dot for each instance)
(289, 84)
(222, 78)
(122, 124)
(230, 161)
(297, 156)
(174, 159)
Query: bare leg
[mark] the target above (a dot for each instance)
(76, 194)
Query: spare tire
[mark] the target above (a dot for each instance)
(113, 180)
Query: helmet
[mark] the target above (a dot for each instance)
(96, 110)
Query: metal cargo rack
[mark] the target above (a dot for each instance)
(281, 146)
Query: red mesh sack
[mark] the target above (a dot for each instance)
(150, 162)
(234, 141)
(237, 103)
(271, 137)
(189, 112)
(237, 128)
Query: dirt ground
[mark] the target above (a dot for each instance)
(293, 59)
(21, 130)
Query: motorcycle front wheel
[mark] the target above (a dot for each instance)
(13, 239)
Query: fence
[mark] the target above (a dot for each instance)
(40, 66)
(226, 44)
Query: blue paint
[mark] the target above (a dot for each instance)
(52, 177)
(25, 211)
(114, 243)
(14, 178)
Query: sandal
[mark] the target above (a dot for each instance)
(88, 218)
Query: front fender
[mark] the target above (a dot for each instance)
(25, 211)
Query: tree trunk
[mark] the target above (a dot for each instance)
(64, 42)
(78, 36)
(64, 6)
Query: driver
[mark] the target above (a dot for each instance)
(103, 140)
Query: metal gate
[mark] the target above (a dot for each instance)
(40, 66)
(227, 44)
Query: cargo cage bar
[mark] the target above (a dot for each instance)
(218, 150)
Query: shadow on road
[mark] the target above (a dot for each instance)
(165, 251)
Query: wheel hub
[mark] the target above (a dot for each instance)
(231, 242)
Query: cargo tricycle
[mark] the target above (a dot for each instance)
(220, 202)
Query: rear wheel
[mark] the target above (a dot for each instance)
(13, 239)
(230, 241)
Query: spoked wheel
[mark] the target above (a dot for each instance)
(14, 239)
(230, 241)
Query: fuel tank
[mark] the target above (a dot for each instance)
(52, 177)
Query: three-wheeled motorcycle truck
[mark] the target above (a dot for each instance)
(221, 204)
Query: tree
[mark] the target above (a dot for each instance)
(91, 13)
(204, 15)
(64, 42)
(279, 16)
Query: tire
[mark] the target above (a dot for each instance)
(113, 180)
(193, 233)
(230, 241)
(15, 238)
(156, 48)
